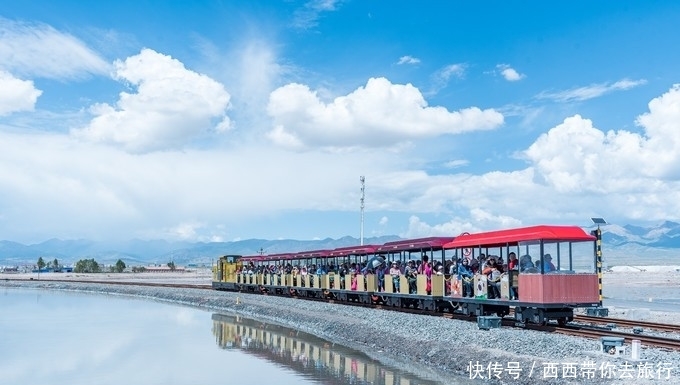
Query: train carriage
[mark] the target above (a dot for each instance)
(421, 291)
(542, 289)
(349, 281)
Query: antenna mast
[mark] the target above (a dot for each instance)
(362, 179)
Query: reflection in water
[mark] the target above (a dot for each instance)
(307, 354)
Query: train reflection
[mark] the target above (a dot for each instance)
(307, 354)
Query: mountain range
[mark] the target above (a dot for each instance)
(620, 243)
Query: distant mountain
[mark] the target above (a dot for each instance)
(138, 252)
(621, 244)
(666, 234)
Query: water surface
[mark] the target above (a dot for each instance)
(60, 338)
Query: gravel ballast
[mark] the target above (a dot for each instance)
(433, 347)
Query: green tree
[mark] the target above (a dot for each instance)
(87, 266)
(120, 266)
(41, 263)
(55, 264)
(171, 265)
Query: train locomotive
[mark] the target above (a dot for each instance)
(537, 273)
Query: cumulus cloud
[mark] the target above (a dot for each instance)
(408, 60)
(509, 73)
(591, 91)
(379, 114)
(308, 16)
(576, 156)
(171, 106)
(38, 50)
(16, 94)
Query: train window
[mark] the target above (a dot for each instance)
(583, 257)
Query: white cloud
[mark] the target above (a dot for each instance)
(591, 91)
(639, 172)
(408, 60)
(379, 114)
(38, 50)
(440, 79)
(308, 16)
(576, 156)
(482, 220)
(16, 94)
(509, 73)
(383, 221)
(456, 163)
(171, 106)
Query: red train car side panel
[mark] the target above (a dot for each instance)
(558, 288)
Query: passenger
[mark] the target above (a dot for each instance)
(547, 264)
(354, 280)
(490, 264)
(473, 265)
(494, 282)
(525, 263)
(426, 268)
(513, 263)
(452, 268)
(465, 276)
(396, 274)
(380, 275)
(342, 271)
(411, 273)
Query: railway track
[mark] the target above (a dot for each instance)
(619, 322)
(645, 340)
(573, 330)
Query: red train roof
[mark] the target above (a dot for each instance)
(415, 244)
(277, 257)
(311, 254)
(514, 236)
(353, 250)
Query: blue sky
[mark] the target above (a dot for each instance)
(218, 121)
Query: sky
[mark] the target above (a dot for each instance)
(228, 120)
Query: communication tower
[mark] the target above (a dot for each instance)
(362, 179)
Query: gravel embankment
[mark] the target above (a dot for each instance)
(433, 347)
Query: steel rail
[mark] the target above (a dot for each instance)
(620, 322)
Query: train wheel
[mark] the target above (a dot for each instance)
(562, 321)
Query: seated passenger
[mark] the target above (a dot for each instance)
(547, 264)
(466, 276)
(525, 263)
(494, 283)
(513, 263)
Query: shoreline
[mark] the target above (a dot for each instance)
(433, 347)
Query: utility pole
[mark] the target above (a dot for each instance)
(362, 179)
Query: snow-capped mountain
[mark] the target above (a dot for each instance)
(666, 234)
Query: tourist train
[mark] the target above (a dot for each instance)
(540, 273)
